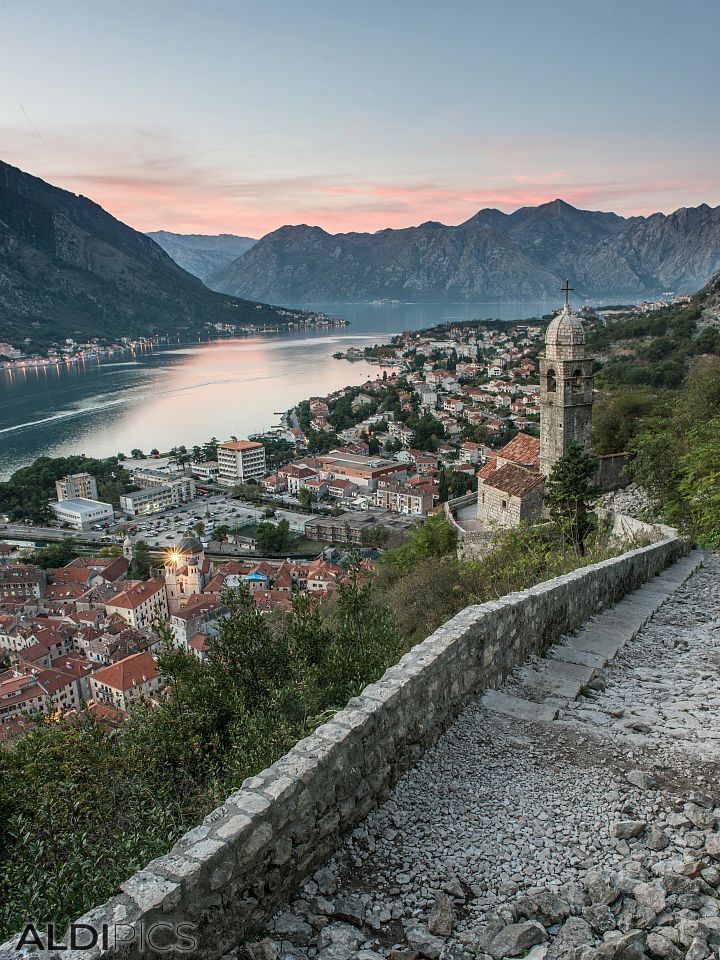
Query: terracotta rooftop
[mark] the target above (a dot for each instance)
(240, 445)
(513, 480)
(523, 450)
(128, 673)
(137, 594)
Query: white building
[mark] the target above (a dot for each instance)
(182, 485)
(80, 513)
(240, 461)
(77, 486)
(141, 604)
(209, 471)
(134, 678)
(153, 499)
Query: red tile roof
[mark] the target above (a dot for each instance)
(128, 673)
(513, 480)
(523, 450)
(137, 594)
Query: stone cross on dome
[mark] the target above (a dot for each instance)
(567, 290)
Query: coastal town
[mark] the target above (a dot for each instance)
(350, 472)
(25, 357)
(360, 481)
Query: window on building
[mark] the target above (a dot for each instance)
(504, 504)
(551, 381)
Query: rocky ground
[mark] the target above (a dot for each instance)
(594, 837)
(631, 501)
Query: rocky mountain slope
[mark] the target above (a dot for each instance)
(709, 300)
(200, 254)
(70, 269)
(493, 256)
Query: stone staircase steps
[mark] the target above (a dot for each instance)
(574, 662)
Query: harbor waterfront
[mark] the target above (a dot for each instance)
(222, 388)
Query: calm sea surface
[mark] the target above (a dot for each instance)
(186, 394)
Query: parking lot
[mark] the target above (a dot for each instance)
(167, 529)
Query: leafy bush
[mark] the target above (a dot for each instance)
(676, 457)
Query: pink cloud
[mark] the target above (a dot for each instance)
(151, 180)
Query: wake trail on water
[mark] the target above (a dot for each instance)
(100, 403)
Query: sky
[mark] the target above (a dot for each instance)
(239, 116)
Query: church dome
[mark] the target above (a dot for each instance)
(190, 546)
(565, 335)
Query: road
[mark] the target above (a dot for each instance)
(25, 531)
(162, 530)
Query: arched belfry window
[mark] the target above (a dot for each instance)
(551, 382)
(577, 383)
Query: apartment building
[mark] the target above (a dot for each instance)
(183, 485)
(240, 461)
(142, 604)
(364, 472)
(77, 485)
(401, 498)
(154, 499)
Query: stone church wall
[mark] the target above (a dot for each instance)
(226, 876)
(497, 508)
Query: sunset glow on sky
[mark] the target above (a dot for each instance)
(240, 116)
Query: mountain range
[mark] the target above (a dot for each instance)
(68, 269)
(493, 256)
(200, 254)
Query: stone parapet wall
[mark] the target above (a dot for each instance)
(631, 531)
(228, 875)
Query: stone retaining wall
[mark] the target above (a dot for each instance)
(228, 874)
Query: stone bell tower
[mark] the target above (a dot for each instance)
(566, 387)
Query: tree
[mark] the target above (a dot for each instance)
(140, 567)
(221, 531)
(443, 486)
(114, 551)
(55, 554)
(672, 455)
(136, 453)
(199, 528)
(433, 538)
(210, 449)
(26, 494)
(306, 498)
(273, 538)
(700, 483)
(364, 639)
(374, 536)
(569, 492)
(619, 416)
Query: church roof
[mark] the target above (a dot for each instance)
(513, 480)
(190, 545)
(523, 450)
(565, 334)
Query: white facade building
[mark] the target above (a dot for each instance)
(82, 514)
(240, 461)
(157, 497)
